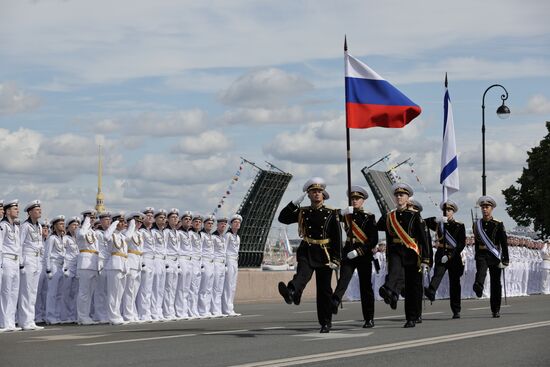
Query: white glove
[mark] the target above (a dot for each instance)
(143, 268)
(226, 269)
(49, 275)
(425, 268)
(441, 219)
(202, 269)
(332, 265)
(346, 211)
(299, 199)
(22, 270)
(66, 273)
(502, 266)
(352, 254)
(444, 259)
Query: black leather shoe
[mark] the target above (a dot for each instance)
(478, 289)
(334, 304)
(286, 292)
(393, 302)
(456, 315)
(409, 323)
(325, 329)
(418, 320)
(496, 315)
(429, 294)
(296, 297)
(386, 294)
(368, 324)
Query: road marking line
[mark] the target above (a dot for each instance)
(273, 328)
(484, 308)
(225, 332)
(136, 340)
(312, 311)
(322, 357)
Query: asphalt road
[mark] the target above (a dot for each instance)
(283, 335)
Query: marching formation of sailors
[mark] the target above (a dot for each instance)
(408, 254)
(137, 267)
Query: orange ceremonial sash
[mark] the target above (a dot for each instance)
(401, 233)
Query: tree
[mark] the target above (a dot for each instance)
(529, 201)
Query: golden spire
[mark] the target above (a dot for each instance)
(99, 206)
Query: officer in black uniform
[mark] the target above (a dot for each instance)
(407, 251)
(491, 246)
(416, 206)
(319, 250)
(357, 254)
(451, 239)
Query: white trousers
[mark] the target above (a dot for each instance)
(100, 298)
(183, 288)
(205, 292)
(230, 286)
(144, 297)
(159, 278)
(9, 292)
(170, 285)
(116, 280)
(545, 284)
(129, 310)
(195, 287)
(28, 290)
(53, 296)
(217, 287)
(87, 280)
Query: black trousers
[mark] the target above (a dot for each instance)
(484, 262)
(398, 266)
(363, 264)
(456, 269)
(323, 275)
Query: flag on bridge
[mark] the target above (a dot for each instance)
(371, 101)
(449, 161)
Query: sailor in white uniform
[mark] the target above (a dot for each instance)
(133, 278)
(144, 298)
(87, 267)
(116, 265)
(33, 252)
(70, 281)
(233, 242)
(196, 243)
(159, 275)
(220, 254)
(55, 257)
(172, 241)
(10, 249)
(100, 295)
(185, 267)
(207, 276)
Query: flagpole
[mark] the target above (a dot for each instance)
(444, 189)
(348, 145)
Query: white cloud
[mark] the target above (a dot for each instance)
(538, 104)
(14, 100)
(265, 88)
(205, 144)
(265, 116)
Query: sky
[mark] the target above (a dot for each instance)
(177, 91)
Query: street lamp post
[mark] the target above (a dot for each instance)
(503, 112)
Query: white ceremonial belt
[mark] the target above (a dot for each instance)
(36, 253)
(57, 261)
(231, 257)
(172, 257)
(186, 257)
(149, 256)
(219, 260)
(197, 258)
(10, 256)
(207, 260)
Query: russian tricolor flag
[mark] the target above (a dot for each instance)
(371, 101)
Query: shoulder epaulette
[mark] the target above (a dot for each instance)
(496, 220)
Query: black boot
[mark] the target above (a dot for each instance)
(386, 294)
(418, 320)
(393, 301)
(478, 289)
(456, 315)
(409, 323)
(368, 324)
(496, 315)
(286, 292)
(325, 328)
(334, 304)
(429, 293)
